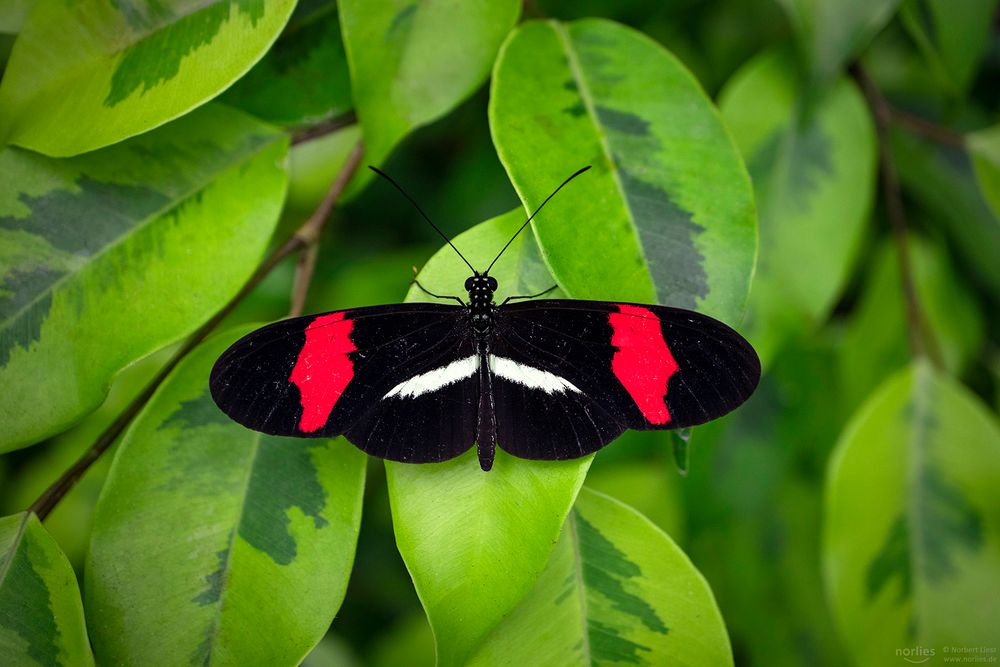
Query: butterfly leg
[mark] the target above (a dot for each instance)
(486, 430)
(529, 296)
(437, 296)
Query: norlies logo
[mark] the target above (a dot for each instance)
(915, 654)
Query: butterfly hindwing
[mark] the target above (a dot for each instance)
(347, 372)
(581, 372)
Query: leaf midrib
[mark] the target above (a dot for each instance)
(216, 626)
(917, 443)
(576, 71)
(581, 586)
(140, 225)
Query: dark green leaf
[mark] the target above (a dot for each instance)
(303, 78)
(413, 62)
(831, 32)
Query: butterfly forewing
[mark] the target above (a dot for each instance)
(613, 366)
(324, 375)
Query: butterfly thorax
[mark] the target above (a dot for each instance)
(481, 306)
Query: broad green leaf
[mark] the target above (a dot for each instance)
(812, 160)
(213, 544)
(475, 542)
(616, 591)
(984, 148)
(831, 32)
(666, 215)
(413, 62)
(108, 256)
(953, 37)
(912, 530)
(41, 616)
(874, 342)
(969, 214)
(91, 73)
(303, 78)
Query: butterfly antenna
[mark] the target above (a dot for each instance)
(416, 206)
(575, 174)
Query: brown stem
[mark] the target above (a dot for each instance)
(303, 277)
(300, 239)
(926, 129)
(324, 128)
(921, 339)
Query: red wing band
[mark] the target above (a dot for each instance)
(323, 369)
(642, 361)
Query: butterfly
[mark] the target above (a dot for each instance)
(543, 379)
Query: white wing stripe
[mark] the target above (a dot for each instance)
(534, 378)
(438, 378)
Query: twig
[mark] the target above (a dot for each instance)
(927, 129)
(921, 339)
(305, 235)
(324, 128)
(303, 277)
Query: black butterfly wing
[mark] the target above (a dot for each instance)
(570, 376)
(396, 380)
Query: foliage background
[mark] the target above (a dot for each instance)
(849, 513)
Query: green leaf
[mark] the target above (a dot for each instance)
(617, 590)
(955, 202)
(213, 543)
(108, 256)
(12, 15)
(831, 32)
(984, 148)
(41, 616)
(413, 62)
(475, 542)
(874, 343)
(812, 160)
(666, 215)
(125, 67)
(912, 532)
(303, 78)
(953, 37)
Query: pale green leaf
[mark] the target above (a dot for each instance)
(616, 591)
(108, 256)
(912, 530)
(90, 73)
(666, 215)
(41, 616)
(812, 160)
(213, 544)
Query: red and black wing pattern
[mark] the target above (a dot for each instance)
(570, 376)
(346, 372)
